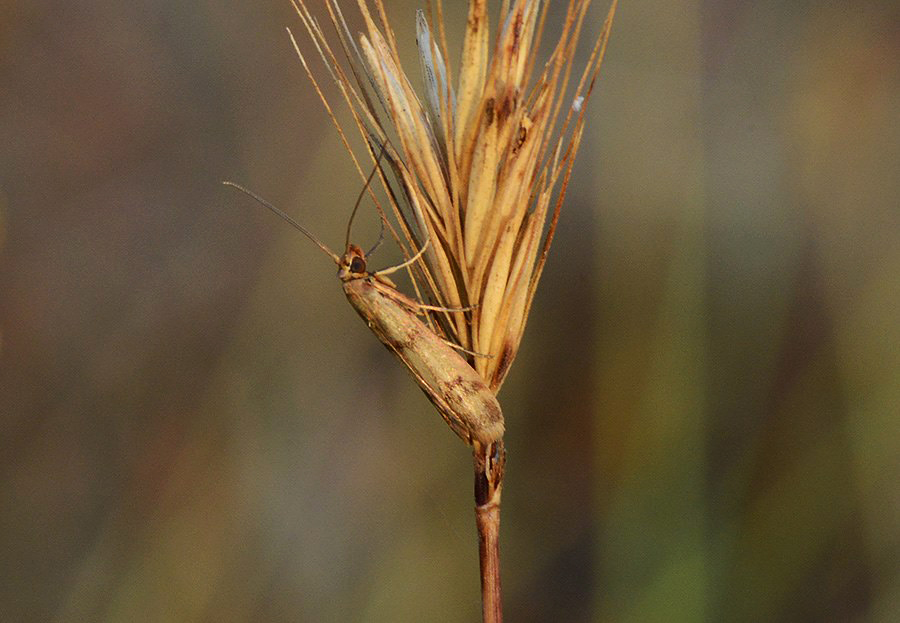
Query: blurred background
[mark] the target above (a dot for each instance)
(703, 421)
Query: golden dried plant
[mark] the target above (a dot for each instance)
(479, 175)
(480, 170)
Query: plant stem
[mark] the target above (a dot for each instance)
(489, 464)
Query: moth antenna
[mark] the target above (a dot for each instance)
(359, 199)
(380, 240)
(288, 218)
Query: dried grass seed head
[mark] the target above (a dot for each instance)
(482, 168)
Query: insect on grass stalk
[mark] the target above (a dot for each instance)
(475, 170)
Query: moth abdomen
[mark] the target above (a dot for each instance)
(461, 396)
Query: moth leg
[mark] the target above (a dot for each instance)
(465, 350)
(393, 269)
(422, 307)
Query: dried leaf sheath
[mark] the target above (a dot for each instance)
(477, 165)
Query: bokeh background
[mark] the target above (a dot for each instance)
(703, 420)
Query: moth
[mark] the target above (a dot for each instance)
(460, 395)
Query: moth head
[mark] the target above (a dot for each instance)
(352, 264)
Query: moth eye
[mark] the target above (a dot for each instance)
(357, 265)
